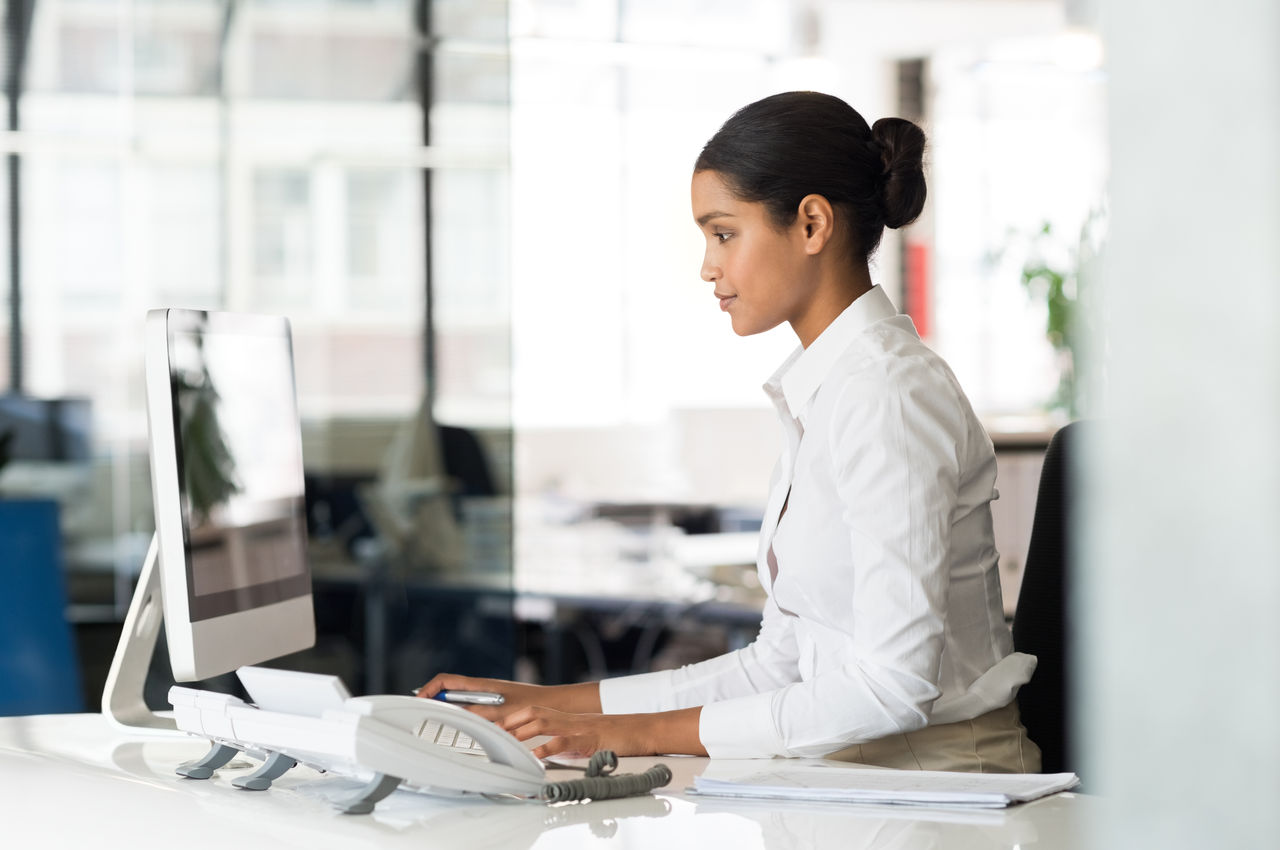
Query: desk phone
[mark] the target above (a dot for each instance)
(307, 718)
(311, 719)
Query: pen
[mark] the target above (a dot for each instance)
(471, 697)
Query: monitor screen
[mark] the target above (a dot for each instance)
(240, 457)
(227, 480)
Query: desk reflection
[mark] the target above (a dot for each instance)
(461, 821)
(298, 811)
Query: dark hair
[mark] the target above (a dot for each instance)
(779, 149)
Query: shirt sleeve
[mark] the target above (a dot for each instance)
(768, 663)
(895, 460)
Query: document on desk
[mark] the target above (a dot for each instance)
(888, 787)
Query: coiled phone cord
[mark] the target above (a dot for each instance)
(601, 783)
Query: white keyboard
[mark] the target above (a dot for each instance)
(447, 736)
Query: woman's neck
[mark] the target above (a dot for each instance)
(835, 291)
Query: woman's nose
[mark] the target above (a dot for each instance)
(709, 272)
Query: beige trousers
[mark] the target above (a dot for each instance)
(995, 742)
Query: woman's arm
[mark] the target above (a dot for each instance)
(570, 716)
(578, 698)
(664, 732)
(767, 663)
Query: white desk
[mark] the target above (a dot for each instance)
(70, 781)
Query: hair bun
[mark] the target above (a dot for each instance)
(902, 151)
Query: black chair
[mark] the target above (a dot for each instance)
(466, 463)
(1042, 621)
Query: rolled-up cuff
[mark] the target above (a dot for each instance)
(741, 728)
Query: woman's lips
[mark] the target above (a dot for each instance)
(726, 300)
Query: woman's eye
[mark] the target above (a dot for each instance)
(721, 237)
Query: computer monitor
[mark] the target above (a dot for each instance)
(227, 571)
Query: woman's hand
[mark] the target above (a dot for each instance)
(582, 698)
(570, 715)
(625, 734)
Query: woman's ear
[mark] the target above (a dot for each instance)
(817, 222)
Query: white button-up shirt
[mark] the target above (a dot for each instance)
(884, 612)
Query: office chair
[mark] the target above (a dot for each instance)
(1042, 619)
(466, 464)
(39, 664)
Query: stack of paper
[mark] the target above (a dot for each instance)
(889, 787)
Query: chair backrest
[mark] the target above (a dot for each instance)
(465, 462)
(39, 663)
(1042, 621)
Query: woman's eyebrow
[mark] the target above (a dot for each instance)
(705, 217)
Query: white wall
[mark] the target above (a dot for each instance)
(1183, 573)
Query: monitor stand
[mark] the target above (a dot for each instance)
(123, 703)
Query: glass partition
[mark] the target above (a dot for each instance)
(476, 214)
(345, 164)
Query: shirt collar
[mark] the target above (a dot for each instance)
(796, 381)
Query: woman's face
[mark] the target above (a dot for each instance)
(759, 271)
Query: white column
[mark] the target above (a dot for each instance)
(1181, 673)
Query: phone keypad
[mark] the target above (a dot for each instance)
(446, 736)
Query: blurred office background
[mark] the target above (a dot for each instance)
(533, 445)
(476, 216)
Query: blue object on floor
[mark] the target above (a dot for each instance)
(39, 665)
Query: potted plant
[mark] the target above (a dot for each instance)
(1061, 275)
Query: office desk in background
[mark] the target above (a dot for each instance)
(71, 781)
(574, 586)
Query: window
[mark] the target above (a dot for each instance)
(1019, 140)
(283, 243)
(265, 156)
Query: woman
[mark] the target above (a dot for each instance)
(883, 639)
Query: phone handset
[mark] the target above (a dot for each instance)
(410, 713)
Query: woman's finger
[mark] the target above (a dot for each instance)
(526, 730)
(453, 682)
(518, 717)
(440, 682)
(554, 746)
(492, 713)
